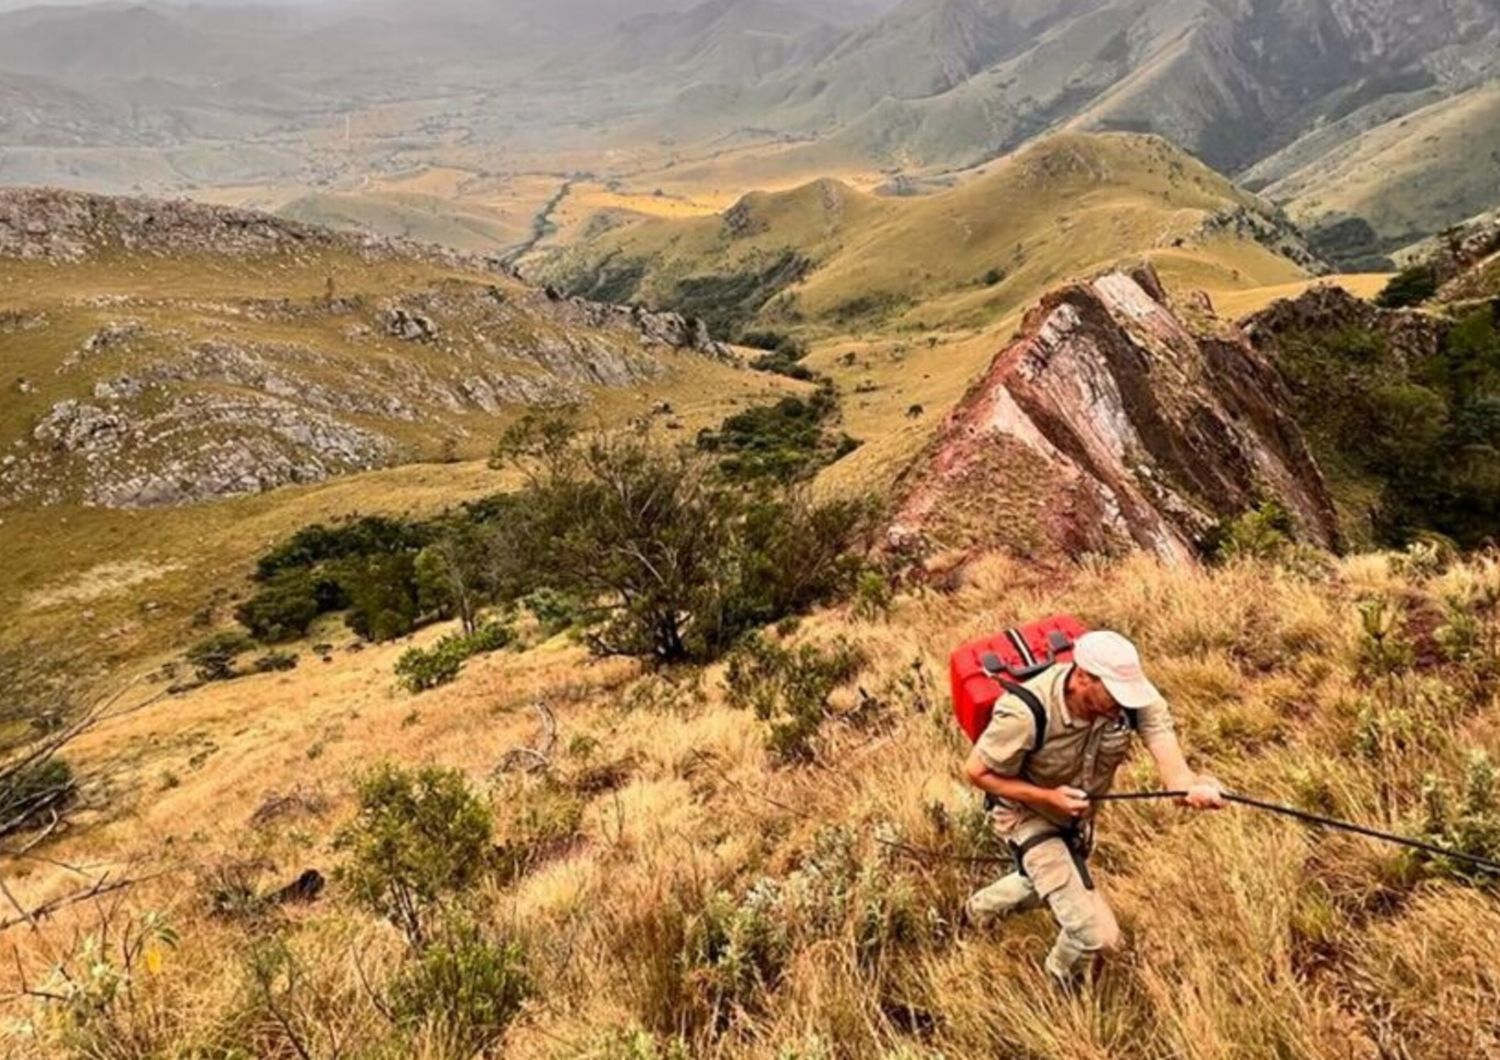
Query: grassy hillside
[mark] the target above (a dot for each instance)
(144, 373)
(449, 222)
(843, 261)
(667, 888)
(1408, 178)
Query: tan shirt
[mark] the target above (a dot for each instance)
(1076, 753)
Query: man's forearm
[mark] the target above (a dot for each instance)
(1013, 789)
(1171, 764)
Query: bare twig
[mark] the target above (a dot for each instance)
(375, 999)
(533, 759)
(101, 886)
(11, 898)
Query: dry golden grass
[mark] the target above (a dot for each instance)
(1249, 936)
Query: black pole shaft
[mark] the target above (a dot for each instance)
(1359, 829)
(1312, 818)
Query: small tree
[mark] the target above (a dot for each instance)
(673, 562)
(382, 596)
(453, 573)
(282, 610)
(419, 839)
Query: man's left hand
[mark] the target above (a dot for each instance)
(1205, 793)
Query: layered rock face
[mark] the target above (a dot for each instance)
(1113, 423)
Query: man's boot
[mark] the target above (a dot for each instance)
(1010, 894)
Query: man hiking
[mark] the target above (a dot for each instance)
(1039, 789)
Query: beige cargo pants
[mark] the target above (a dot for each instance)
(1087, 923)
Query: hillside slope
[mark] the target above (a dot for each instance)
(1406, 179)
(1230, 82)
(673, 890)
(160, 353)
(829, 255)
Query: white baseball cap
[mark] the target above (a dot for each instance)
(1114, 660)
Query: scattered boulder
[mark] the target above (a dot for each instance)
(305, 888)
(408, 326)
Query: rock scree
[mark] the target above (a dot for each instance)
(1114, 421)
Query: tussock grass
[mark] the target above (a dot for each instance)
(703, 900)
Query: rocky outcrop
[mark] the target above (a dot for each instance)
(1111, 424)
(1328, 308)
(241, 444)
(1270, 228)
(657, 328)
(403, 324)
(167, 400)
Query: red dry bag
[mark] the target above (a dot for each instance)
(977, 669)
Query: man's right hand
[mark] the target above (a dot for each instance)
(1070, 802)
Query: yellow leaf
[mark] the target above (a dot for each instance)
(153, 960)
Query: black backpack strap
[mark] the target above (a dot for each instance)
(1035, 705)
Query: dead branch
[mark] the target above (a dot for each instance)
(364, 981)
(533, 759)
(100, 887)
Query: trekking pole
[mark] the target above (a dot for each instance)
(1313, 818)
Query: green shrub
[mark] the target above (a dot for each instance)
(778, 342)
(788, 688)
(274, 662)
(1418, 433)
(418, 839)
(465, 986)
(784, 442)
(1466, 820)
(421, 669)
(1265, 532)
(383, 596)
(283, 609)
(1409, 287)
(742, 943)
(634, 1043)
(213, 657)
(1383, 646)
(781, 364)
(318, 544)
(555, 611)
(873, 596)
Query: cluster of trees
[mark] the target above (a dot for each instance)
(784, 442)
(1425, 431)
(654, 551)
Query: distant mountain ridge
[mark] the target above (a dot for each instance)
(1325, 105)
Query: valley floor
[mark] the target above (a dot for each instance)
(681, 894)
